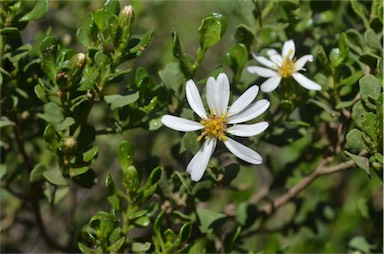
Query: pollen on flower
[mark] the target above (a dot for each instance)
(287, 68)
(215, 127)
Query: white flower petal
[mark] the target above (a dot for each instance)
(274, 56)
(289, 49)
(270, 84)
(250, 112)
(299, 64)
(261, 71)
(210, 92)
(306, 82)
(243, 152)
(199, 162)
(222, 94)
(194, 99)
(180, 124)
(248, 130)
(244, 100)
(264, 61)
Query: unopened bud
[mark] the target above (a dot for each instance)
(126, 16)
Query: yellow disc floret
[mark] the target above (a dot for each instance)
(214, 126)
(287, 67)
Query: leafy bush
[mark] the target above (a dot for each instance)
(88, 165)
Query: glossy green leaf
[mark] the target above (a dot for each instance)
(337, 56)
(77, 171)
(361, 162)
(155, 124)
(185, 232)
(237, 57)
(116, 246)
(38, 11)
(37, 173)
(142, 222)
(131, 181)
(119, 101)
(90, 154)
(244, 35)
(125, 152)
(48, 49)
(211, 30)
(102, 60)
(55, 177)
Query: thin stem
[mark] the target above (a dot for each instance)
(321, 170)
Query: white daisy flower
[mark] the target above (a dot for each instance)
(281, 67)
(220, 121)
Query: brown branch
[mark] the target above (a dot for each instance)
(321, 169)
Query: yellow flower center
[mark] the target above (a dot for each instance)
(287, 67)
(215, 127)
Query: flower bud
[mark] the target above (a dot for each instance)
(131, 180)
(126, 16)
(70, 74)
(68, 144)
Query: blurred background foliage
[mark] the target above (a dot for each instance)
(129, 190)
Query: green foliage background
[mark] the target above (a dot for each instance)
(87, 166)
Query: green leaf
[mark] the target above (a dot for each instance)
(4, 121)
(98, 18)
(125, 152)
(237, 57)
(231, 238)
(48, 49)
(119, 101)
(90, 82)
(102, 60)
(77, 171)
(3, 170)
(189, 142)
(358, 112)
(360, 243)
(141, 247)
(370, 90)
(116, 246)
(52, 113)
(361, 162)
(185, 232)
(372, 39)
(66, 123)
(55, 177)
(171, 76)
(40, 9)
(187, 62)
(337, 56)
(142, 222)
(37, 173)
(155, 124)
(369, 120)
(104, 224)
(209, 219)
(90, 154)
(131, 181)
(211, 30)
(351, 80)
(244, 35)
(355, 140)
